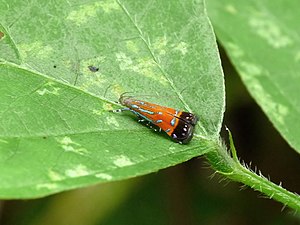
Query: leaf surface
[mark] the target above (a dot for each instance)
(63, 66)
(262, 41)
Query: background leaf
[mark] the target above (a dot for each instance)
(55, 130)
(262, 41)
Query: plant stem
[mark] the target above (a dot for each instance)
(221, 160)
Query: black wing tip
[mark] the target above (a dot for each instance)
(183, 133)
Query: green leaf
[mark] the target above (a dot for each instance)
(261, 39)
(56, 131)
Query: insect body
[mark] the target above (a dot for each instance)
(177, 124)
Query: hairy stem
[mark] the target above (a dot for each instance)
(229, 166)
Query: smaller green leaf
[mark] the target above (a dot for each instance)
(261, 39)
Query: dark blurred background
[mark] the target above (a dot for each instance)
(186, 194)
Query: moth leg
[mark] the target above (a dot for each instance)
(140, 119)
(157, 129)
(119, 110)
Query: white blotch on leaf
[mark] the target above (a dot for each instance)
(231, 9)
(112, 121)
(251, 74)
(54, 176)
(144, 66)
(103, 176)
(122, 160)
(3, 141)
(276, 110)
(269, 30)
(159, 45)
(49, 186)
(297, 57)
(48, 88)
(70, 146)
(107, 106)
(66, 140)
(132, 46)
(84, 13)
(171, 148)
(109, 6)
(37, 48)
(148, 68)
(89, 11)
(125, 62)
(78, 171)
(281, 113)
(235, 50)
(98, 112)
(182, 47)
(251, 69)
